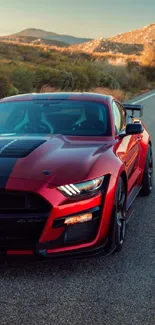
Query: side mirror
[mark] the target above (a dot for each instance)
(134, 128)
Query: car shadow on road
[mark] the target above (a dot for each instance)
(18, 267)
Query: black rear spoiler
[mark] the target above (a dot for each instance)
(134, 108)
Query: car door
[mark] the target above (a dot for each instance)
(128, 145)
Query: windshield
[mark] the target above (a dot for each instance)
(66, 117)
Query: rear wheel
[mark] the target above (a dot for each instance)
(148, 173)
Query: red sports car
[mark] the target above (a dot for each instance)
(71, 165)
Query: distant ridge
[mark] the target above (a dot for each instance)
(42, 34)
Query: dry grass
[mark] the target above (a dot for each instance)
(115, 56)
(116, 93)
(49, 89)
(44, 47)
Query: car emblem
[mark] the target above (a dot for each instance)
(46, 172)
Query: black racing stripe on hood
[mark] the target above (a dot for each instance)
(20, 148)
(6, 166)
(10, 151)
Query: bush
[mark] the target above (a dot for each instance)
(149, 73)
(4, 86)
(81, 80)
(92, 74)
(23, 79)
(108, 81)
(136, 82)
(12, 91)
(47, 76)
(66, 81)
(133, 66)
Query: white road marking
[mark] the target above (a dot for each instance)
(144, 98)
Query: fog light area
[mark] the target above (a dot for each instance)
(78, 219)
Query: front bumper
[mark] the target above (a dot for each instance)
(87, 238)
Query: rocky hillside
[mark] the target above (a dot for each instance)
(139, 36)
(127, 43)
(105, 45)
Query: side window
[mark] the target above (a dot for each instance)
(119, 117)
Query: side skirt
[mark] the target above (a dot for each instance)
(132, 196)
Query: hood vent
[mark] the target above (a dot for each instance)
(20, 148)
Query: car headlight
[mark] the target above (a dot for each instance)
(83, 188)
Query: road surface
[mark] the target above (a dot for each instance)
(118, 289)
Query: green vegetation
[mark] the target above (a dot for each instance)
(26, 69)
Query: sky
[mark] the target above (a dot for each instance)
(83, 18)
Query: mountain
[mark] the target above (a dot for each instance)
(139, 36)
(127, 43)
(42, 34)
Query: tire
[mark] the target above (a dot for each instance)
(119, 229)
(148, 173)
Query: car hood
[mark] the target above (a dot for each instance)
(55, 159)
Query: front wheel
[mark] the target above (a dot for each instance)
(119, 214)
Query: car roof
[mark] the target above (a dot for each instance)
(59, 95)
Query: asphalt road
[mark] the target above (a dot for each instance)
(118, 289)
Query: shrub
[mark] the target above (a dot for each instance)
(108, 81)
(149, 73)
(12, 91)
(66, 81)
(23, 79)
(92, 74)
(133, 66)
(81, 80)
(136, 82)
(47, 76)
(4, 86)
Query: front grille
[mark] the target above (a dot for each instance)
(22, 218)
(17, 201)
(21, 232)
